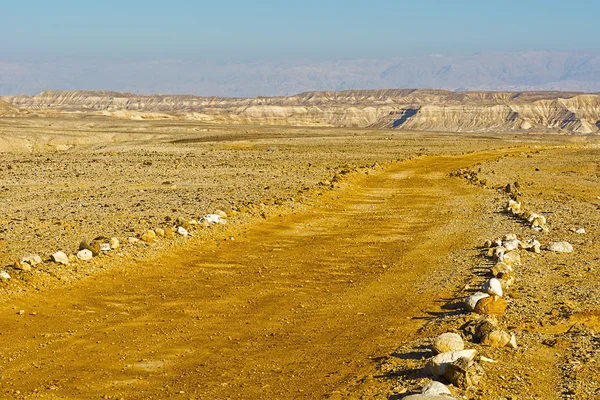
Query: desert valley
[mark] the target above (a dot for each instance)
(311, 246)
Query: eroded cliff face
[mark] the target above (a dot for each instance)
(429, 110)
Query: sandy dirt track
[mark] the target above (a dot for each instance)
(295, 307)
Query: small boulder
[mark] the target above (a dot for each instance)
(435, 388)
(560, 247)
(84, 255)
(472, 300)
(493, 287)
(496, 338)
(21, 265)
(427, 397)
(4, 276)
(148, 236)
(213, 219)
(492, 305)
(60, 257)
(438, 364)
(170, 233)
(506, 279)
(512, 244)
(114, 243)
(580, 231)
(485, 326)
(532, 245)
(160, 232)
(132, 240)
(448, 342)
(31, 259)
(464, 373)
(510, 257)
(182, 231)
(104, 247)
(501, 268)
(93, 246)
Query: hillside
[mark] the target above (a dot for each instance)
(427, 110)
(6, 110)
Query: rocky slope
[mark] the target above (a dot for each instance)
(428, 110)
(6, 110)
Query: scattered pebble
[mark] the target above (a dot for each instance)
(85, 255)
(560, 247)
(4, 276)
(114, 243)
(60, 257)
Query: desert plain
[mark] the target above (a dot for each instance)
(345, 253)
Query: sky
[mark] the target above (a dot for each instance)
(237, 30)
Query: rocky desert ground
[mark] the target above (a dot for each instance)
(346, 252)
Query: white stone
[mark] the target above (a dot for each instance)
(513, 342)
(213, 219)
(493, 287)
(580, 231)
(514, 207)
(85, 255)
(512, 244)
(114, 243)
(31, 259)
(448, 342)
(182, 231)
(438, 364)
(4, 275)
(427, 397)
(472, 300)
(60, 257)
(132, 240)
(435, 388)
(560, 247)
(510, 236)
(105, 247)
(487, 360)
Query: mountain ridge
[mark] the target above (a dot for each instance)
(411, 109)
(497, 71)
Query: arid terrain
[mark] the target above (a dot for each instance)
(346, 251)
(406, 109)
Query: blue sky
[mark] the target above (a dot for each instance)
(245, 30)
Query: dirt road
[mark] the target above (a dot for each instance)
(295, 307)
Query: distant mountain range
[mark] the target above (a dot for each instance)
(498, 71)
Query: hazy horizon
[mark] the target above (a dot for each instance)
(273, 48)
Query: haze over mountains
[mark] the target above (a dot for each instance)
(499, 71)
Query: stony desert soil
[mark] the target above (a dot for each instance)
(345, 253)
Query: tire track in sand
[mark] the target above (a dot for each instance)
(295, 307)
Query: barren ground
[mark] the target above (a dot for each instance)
(346, 251)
